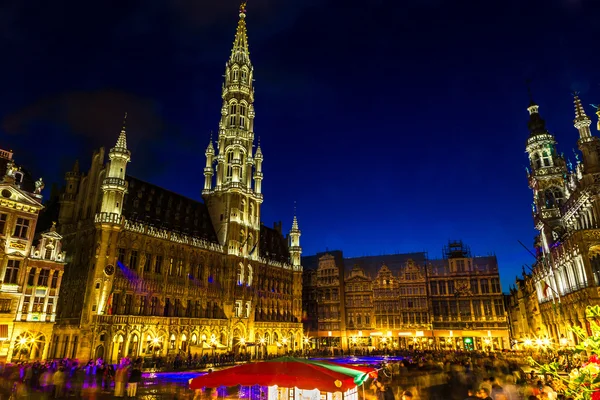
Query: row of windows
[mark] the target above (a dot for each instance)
(129, 304)
(390, 306)
(21, 229)
(38, 305)
(476, 286)
(43, 278)
(467, 308)
(235, 75)
(397, 321)
(237, 115)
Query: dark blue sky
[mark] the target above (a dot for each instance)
(395, 125)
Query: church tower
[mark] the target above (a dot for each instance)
(294, 244)
(546, 178)
(588, 145)
(108, 223)
(114, 185)
(232, 199)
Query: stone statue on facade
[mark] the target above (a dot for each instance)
(39, 186)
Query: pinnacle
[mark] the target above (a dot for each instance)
(240, 52)
(122, 141)
(579, 110)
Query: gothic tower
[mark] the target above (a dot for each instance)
(546, 178)
(232, 199)
(67, 200)
(588, 145)
(294, 243)
(108, 223)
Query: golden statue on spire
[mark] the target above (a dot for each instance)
(243, 8)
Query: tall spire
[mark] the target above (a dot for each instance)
(240, 52)
(122, 140)
(582, 121)
(295, 221)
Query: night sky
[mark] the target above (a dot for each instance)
(395, 125)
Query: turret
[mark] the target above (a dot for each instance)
(547, 177)
(294, 243)
(258, 175)
(114, 185)
(588, 145)
(67, 200)
(208, 169)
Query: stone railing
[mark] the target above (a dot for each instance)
(118, 182)
(180, 238)
(163, 321)
(108, 218)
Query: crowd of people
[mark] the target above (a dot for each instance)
(411, 375)
(462, 376)
(66, 378)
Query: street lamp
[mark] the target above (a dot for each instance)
(306, 343)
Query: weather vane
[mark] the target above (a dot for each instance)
(243, 7)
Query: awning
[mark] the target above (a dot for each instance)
(289, 372)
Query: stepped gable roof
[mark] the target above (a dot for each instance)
(273, 245)
(28, 183)
(372, 264)
(158, 207)
(312, 262)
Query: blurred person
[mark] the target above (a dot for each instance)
(134, 378)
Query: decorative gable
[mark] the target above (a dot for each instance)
(49, 247)
(18, 199)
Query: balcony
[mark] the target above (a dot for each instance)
(108, 218)
(114, 183)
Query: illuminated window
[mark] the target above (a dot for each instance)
(233, 110)
(244, 76)
(235, 74)
(242, 116)
(229, 164)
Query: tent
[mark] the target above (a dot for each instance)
(288, 372)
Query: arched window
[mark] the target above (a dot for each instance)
(242, 116)
(244, 75)
(233, 110)
(240, 274)
(250, 275)
(229, 164)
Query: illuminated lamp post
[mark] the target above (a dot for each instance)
(306, 344)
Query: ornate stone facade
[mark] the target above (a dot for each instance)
(406, 301)
(152, 272)
(566, 210)
(31, 273)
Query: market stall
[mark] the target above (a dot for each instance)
(289, 378)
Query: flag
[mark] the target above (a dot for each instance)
(109, 305)
(245, 241)
(254, 248)
(545, 288)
